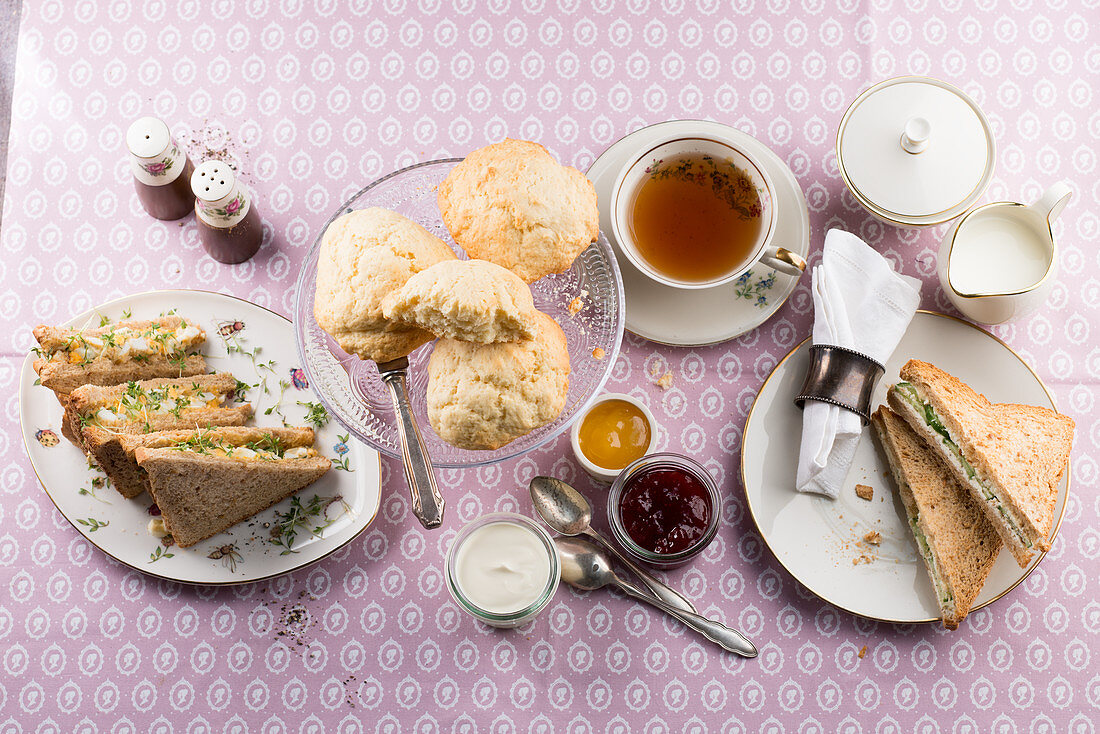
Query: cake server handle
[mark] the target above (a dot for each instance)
(427, 502)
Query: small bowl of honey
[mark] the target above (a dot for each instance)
(613, 433)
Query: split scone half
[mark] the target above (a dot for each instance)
(467, 300)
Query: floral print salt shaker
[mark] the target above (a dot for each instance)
(162, 172)
(229, 227)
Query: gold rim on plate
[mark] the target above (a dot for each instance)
(764, 537)
(154, 574)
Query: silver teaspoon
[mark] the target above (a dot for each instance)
(585, 566)
(566, 510)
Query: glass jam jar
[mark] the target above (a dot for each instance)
(503, 569)
(664, 509)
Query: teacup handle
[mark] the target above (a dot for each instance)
(1053, 201)
(784, 261)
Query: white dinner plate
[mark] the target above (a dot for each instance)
(693, 318)
(119, 527)
(818, 540)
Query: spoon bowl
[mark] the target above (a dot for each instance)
(562, 507)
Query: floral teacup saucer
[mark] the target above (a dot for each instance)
(680, 317)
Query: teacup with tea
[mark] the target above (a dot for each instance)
(697, 212)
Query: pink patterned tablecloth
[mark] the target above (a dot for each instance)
(315, 100)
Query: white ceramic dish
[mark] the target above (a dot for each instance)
(678, 317)
(817, 539)
(599, 473)
(243, 553)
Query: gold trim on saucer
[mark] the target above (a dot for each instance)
(1041, 281)
(91, 539)
(764, 538)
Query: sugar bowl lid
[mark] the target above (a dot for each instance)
(915, 151)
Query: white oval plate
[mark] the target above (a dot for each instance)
(695, 318)
(243, 553)
(817, 539)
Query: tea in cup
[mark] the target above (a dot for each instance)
(697, 212)
(999, 261)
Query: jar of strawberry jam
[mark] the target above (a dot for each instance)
(664, 509)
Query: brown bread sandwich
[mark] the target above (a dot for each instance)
(1010, 457)
(206, 481)
(117, 353)
(96, 417)
(957, 543)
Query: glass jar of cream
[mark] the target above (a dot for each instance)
(503, 569)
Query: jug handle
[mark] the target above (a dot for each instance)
(1053, 201)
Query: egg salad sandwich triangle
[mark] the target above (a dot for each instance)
(206, 481)
(1010, 457)
(96, 417)
(956, 541)
(117, 353)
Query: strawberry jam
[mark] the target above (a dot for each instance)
(665, 509)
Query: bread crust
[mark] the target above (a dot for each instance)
(1020, 450)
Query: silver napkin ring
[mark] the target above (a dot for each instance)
(841, 377)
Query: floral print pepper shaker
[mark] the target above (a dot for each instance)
(162, 172)
(229, 227)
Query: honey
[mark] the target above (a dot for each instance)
(614, 434)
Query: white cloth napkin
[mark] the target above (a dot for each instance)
(862, 304)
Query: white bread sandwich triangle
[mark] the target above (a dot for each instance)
(956, 541)
(1009, 456)
(95, 417)
(207, 481)
(116, 353)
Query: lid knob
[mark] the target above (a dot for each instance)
(916, 135)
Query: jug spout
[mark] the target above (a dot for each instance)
(1052, 202)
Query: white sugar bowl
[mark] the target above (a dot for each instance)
(915, 151)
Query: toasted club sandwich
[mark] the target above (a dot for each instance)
(95, 417)
(207, 481)
(117, 353)
(957, 542)
(1009, 456)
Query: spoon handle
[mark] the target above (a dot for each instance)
(715, 631)
(662, 591)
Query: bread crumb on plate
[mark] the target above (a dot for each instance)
(598, 353)
(865, 492)
(873, 538)
(576, 306)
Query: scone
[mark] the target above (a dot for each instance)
(512, 204)
(471, 300)
(366, 255)
(483, 396)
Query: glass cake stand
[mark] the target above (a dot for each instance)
(354, 395)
